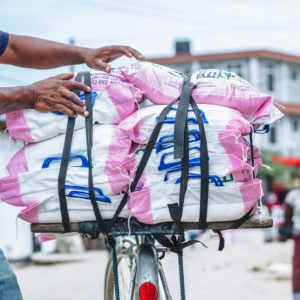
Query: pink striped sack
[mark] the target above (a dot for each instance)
(34, 171)
(110, 149)
(163, 85)
(80, 208)
(163, 168)
(26, 188)
(113, 100)
(224, 129)
(225, 203)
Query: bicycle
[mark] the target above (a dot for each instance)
(134, 270)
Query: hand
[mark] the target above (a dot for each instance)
(99, 58)
(55, 94)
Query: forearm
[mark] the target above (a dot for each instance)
(30, 52)
(15, 98)
(288, 215)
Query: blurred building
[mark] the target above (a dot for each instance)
(270, 72)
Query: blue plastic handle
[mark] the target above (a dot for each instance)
(82, 97)
(177, 164)
(83, 193)
(212, 179)
(265, 129)
(49, 160)
(165, 142)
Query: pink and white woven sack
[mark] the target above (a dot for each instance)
(225, 203)
(163, 85)
(26, 188)
(113, 100)
(80, 209)
(163, 168)
(141, 123)
(224, 129)
(110, 149)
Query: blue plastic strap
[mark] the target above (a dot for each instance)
(49, 160)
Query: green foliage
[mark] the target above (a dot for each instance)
(276, 171)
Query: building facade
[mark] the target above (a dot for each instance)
(273, 73)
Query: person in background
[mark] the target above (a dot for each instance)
(51, 94)
(292, 220)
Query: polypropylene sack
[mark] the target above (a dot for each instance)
(113, 100)
(163, 168)
(111, 147)
(25, 189)
(80, 209)
(213, 86)
(140, 124)
(225, 203)
(8, 148)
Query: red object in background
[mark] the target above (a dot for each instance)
(286, 160)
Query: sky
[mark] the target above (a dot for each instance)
(153, 26)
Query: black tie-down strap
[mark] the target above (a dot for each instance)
(86, 77)
(181, 150)
(180, 137)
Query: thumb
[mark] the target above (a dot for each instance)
(64, 76)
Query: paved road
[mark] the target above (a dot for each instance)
(241, 271)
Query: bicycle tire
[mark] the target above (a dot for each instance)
(109, 292)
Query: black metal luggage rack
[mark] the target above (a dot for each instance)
(123, 227)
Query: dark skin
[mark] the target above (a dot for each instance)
(54, 93)
(288, 214)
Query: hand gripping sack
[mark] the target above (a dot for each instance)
(113, 100)
(162, 85)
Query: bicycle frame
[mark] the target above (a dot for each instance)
(146, 267)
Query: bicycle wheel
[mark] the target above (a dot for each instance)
(126, 273)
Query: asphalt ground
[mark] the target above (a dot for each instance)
(248, 268)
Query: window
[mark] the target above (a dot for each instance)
(295, 124)
(294, 74)
(234, 67)
(270, 82)
(272, 136)
(270, 79)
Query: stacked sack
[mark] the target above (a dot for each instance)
(33, 171)
(230, 109)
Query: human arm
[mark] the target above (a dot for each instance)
(52, 94)
(288, 215)
(31, 52)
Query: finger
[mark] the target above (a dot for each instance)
(135, 53)
(124, 50)
(72, 97)
(75, 108)
(64, 76)
(101, 65)
(74, 85)
(65, 110)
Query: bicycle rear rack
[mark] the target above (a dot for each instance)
(124, 227)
